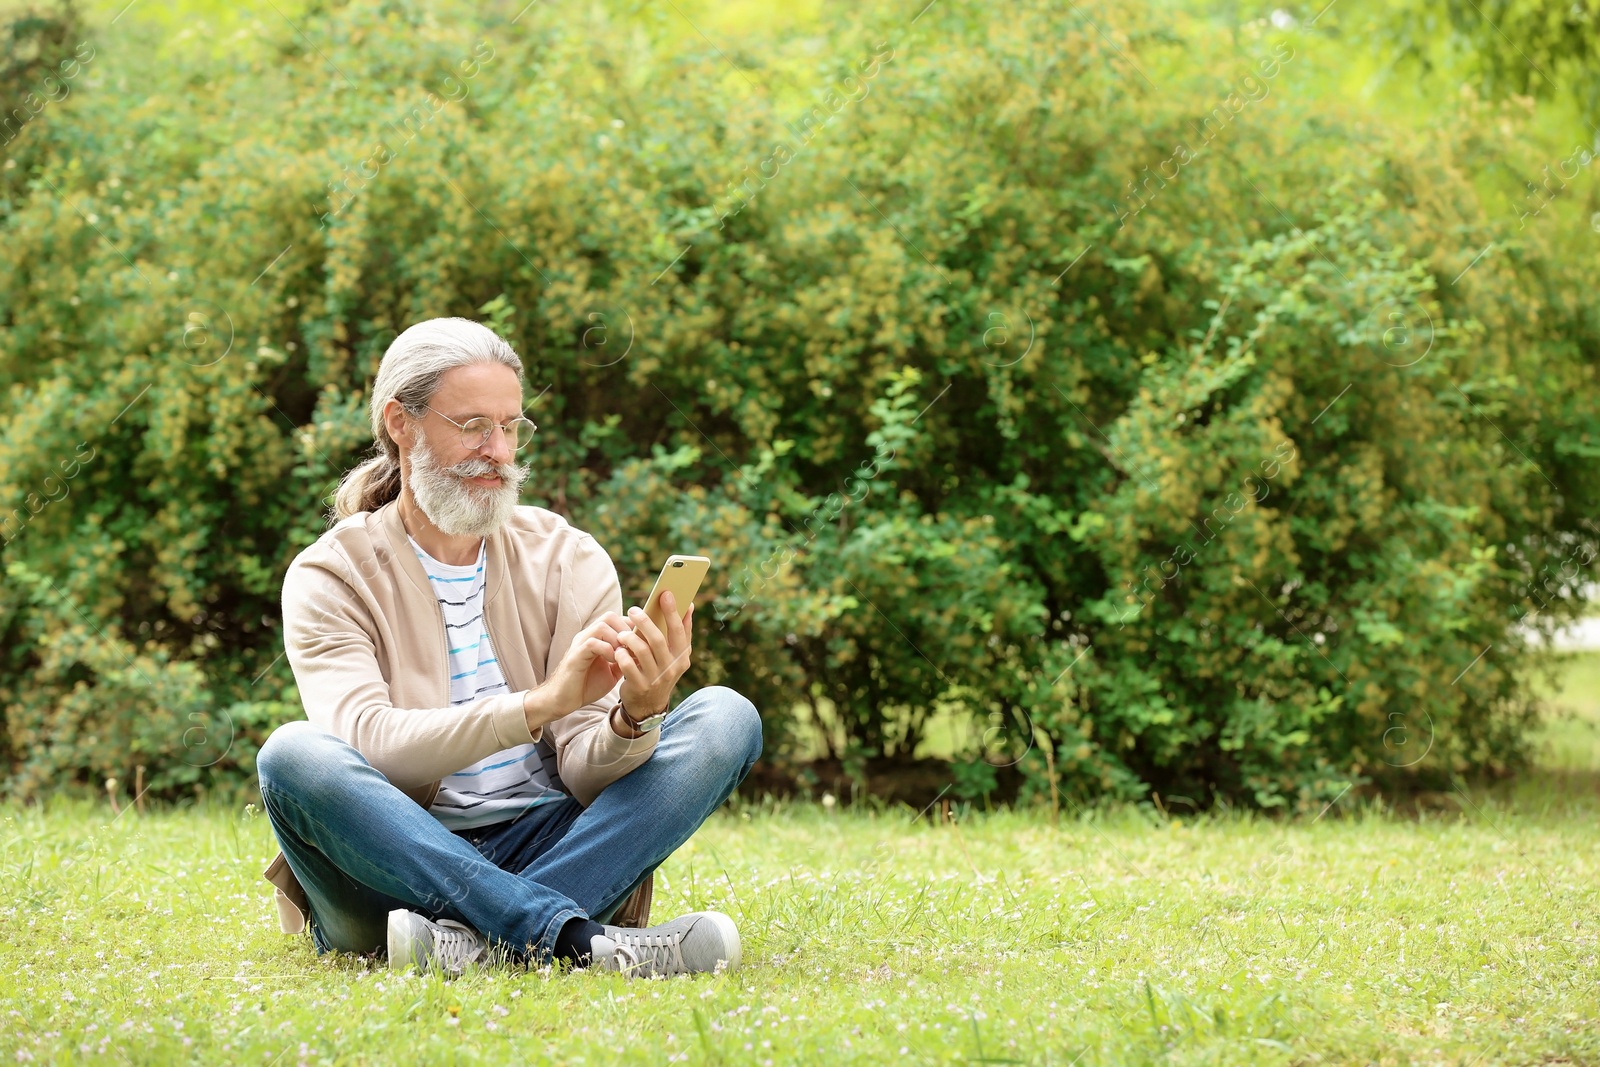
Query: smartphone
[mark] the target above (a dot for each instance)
(682, 575)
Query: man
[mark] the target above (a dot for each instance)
(485, 771)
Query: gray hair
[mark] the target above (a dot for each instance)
(410, 372)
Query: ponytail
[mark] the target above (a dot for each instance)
(369, 486)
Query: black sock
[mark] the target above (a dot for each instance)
(573, 942)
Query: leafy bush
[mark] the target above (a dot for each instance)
(1219, 472)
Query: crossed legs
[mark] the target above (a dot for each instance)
(361, 848)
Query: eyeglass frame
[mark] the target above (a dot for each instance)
(493, 426)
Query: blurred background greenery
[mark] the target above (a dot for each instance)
(1111, 400)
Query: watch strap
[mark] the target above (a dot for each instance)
(644, 725)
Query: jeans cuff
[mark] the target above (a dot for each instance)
(545, 950)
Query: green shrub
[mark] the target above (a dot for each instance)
(956, 390)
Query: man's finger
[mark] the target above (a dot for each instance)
(674, 624)
(631, 674)
(610, 627)
(641, 621)
(643, 654)
(646, 628)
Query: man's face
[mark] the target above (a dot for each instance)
(466, 491)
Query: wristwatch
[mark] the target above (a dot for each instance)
(645, 725)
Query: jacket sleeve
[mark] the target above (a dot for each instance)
(328, 634)
(590, 755)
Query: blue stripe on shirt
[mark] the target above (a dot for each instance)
(493, 766)
(470, 578)
(474, 670)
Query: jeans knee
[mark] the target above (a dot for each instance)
(733, 727)
(293, 754)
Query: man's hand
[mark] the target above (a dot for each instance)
(586, 673)
(652, 661)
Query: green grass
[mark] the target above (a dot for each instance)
(1465, 935)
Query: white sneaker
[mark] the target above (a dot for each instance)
(420, 942)
(690, 944)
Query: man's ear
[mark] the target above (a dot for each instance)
(394, 420)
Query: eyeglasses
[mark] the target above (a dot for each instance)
(475, 431)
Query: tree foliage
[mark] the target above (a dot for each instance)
(1230, 472)
(1538, 48)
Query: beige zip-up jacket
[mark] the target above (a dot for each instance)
(366, 640)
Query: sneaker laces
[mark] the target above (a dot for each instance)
(653, 953)
(455, 944)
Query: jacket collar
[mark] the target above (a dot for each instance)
(394, 530)
(499, 604)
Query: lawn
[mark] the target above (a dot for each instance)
(1464, 935)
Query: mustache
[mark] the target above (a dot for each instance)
(478, 467)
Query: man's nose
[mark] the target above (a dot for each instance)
(497, 449)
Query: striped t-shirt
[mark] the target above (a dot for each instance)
(497, 787)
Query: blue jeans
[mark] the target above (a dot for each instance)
(361, 848)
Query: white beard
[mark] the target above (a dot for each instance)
(455, 507)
